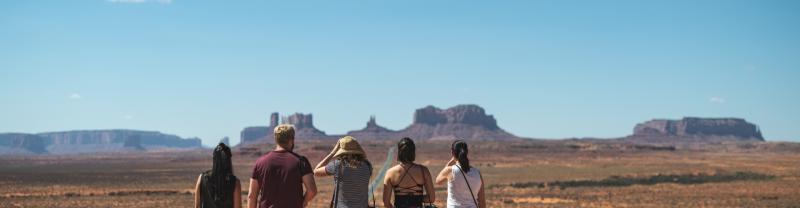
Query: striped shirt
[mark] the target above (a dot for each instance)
(354, 185)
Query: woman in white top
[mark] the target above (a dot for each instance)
(464, 182)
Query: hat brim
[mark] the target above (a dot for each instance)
(345, 152)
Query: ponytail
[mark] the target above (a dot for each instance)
(459, 149)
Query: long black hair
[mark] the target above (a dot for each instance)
(406, 151)
(221, 179)
(459, 149)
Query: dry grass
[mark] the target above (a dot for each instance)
(517, 175)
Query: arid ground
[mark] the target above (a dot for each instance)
(566, 173)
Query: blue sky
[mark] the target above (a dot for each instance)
(544, 69)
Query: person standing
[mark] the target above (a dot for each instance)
(218, 187)
(279, 176)
(464, 182)
(351, 170)
(409, 182)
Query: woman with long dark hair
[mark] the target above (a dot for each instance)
(218, 187)
(410, 183)
(464, 182)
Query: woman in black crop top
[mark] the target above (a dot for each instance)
(409, 183)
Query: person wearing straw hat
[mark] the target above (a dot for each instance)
(348, 164)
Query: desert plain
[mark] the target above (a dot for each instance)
(528, 173)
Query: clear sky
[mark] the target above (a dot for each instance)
(544, 69)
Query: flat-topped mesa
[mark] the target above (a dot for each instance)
(118, 136)
(699, 127)
(373, 131)
(133, 142)
(22, 143)
(460, 114)
(459, 122)
(90, 141)
(255, 134)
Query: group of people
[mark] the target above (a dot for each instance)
(280, 177)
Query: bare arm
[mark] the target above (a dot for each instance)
(320, 169)
(429, 186)
(237, 195)
(197, 199)
(311, 189)
(481, 196)
(388, 189)
(444, 175)
(252, 195)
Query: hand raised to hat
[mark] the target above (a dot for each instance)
(336, 148)
(319, 170)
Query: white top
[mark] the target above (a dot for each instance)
(458, 195)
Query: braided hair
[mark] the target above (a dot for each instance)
(222, 180)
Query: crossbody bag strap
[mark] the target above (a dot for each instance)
(471, 194)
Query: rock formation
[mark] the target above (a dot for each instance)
(254, 134)
(133, 142)
(118, 136)
(273, 119)
(226, 141)
(468, 122)
(460, 114)
(21, 143)
(373, 131)
(88, 141)
(303, 124)
(693, 127)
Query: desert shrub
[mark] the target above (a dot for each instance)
(616, 181)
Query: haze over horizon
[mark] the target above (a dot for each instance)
(544, 69)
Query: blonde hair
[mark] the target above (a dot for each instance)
(351, 160)
(283, 134)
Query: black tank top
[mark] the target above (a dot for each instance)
(207, 195)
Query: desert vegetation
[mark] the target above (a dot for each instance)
(518, 174)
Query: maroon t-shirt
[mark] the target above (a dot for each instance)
(280, 177)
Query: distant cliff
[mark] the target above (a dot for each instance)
(693, 127)
(147, 138)
(459, 122)
(19, 143)
(468, 122)
(373, 131)
(303, 124)
(86, 141)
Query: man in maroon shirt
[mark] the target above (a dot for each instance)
(279, 176)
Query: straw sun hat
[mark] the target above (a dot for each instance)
(349, 145)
